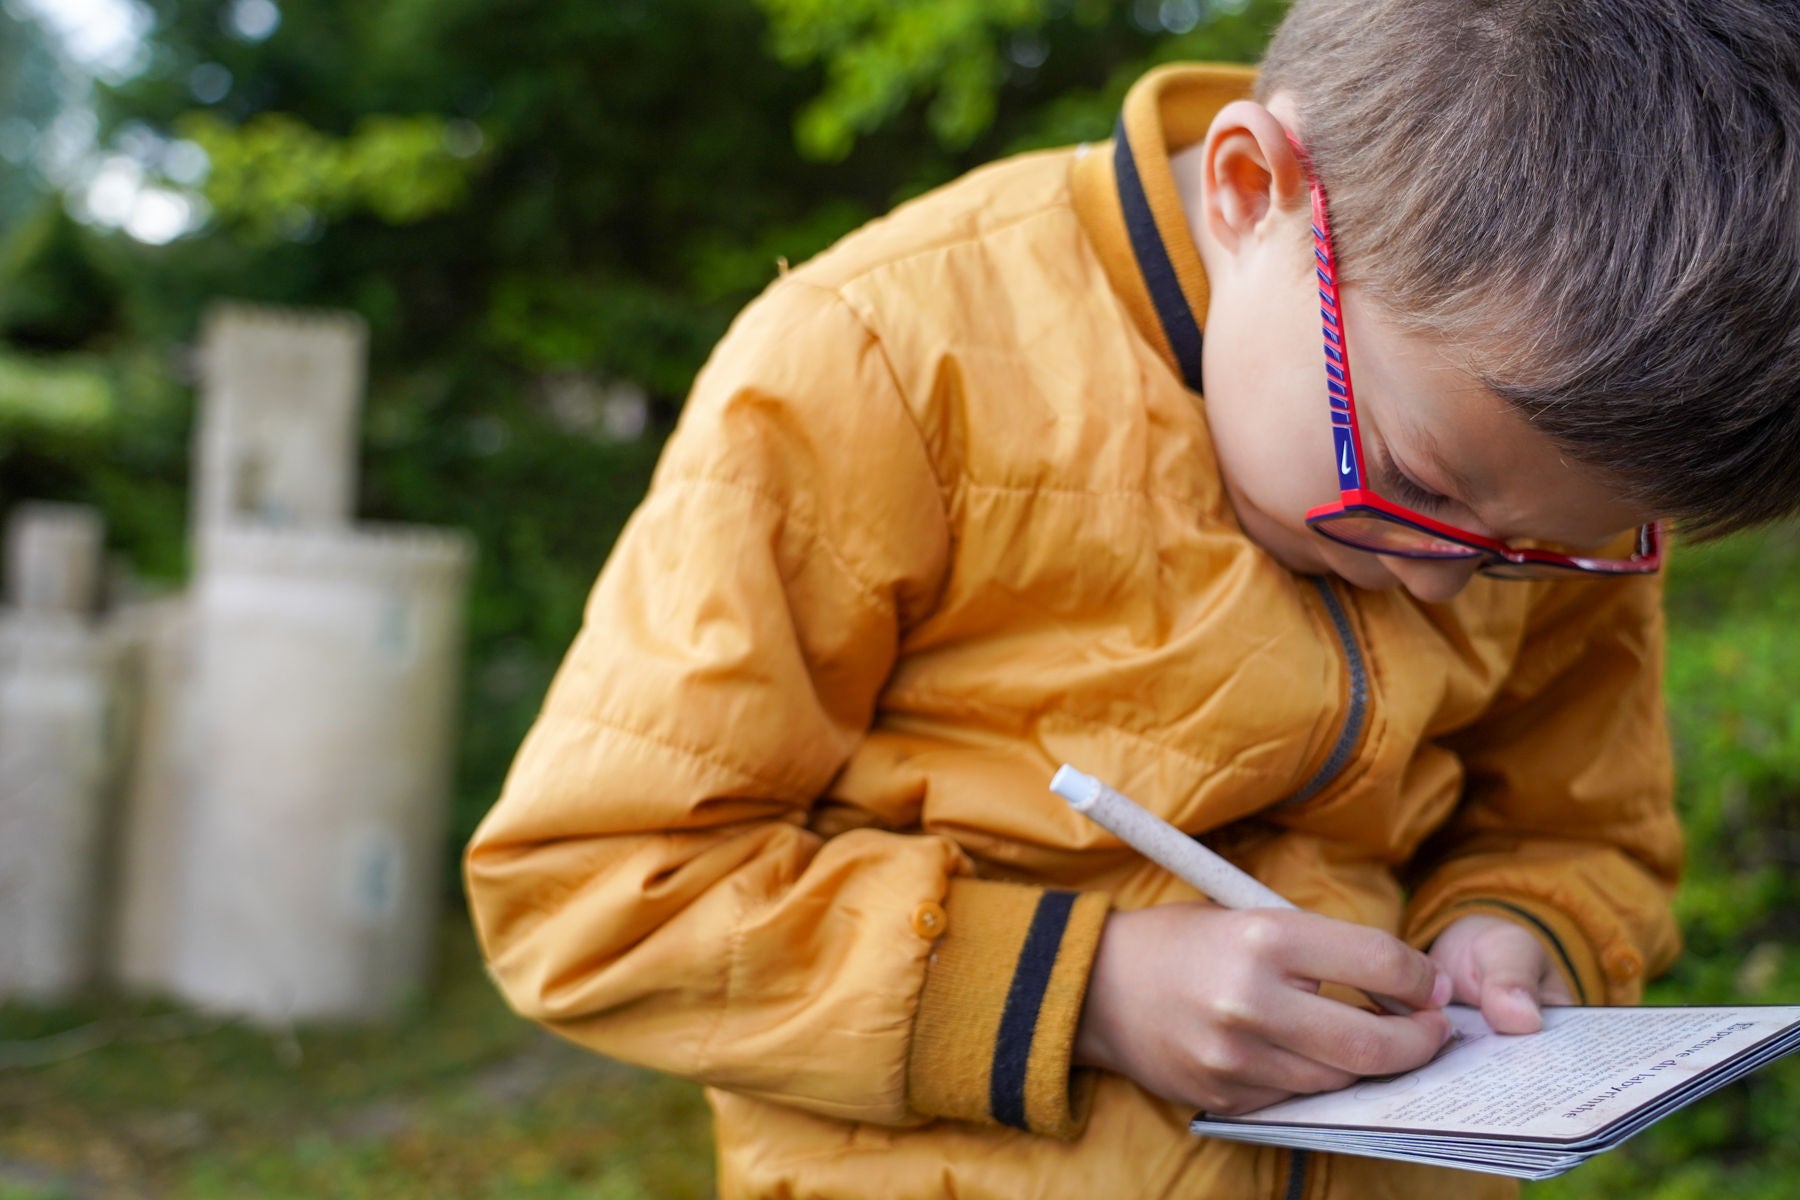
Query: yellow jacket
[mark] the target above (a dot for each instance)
(941, 514)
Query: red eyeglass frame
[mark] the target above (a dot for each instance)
(1357, 502)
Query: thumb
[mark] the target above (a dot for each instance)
(1509, 993)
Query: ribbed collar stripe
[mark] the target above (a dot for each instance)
(1172, 310)
(1126, 198)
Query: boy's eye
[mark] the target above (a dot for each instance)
(1414, 494)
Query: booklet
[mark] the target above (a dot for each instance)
(1532, 1105)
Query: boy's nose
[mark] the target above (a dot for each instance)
(1433, 580)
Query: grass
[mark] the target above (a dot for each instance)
(457, 1099)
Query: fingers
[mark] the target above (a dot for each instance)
(1319, 948)
(1510, 1007)
(1230, 1074)
(1227, 1071)
(1500, 966)
(1510, 975)
(1340, 1036)
(1352, 1040)
(1219, 1008)
(1175, 1004)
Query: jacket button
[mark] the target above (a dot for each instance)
(928, 920)
(1623, 963)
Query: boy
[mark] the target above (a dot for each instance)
(970, 495)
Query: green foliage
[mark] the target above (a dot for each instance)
(110, 430)
(274, 175)
(879, 54)
(54, 294)
(66, 395)
(962, 55)
(1732, 662)
(638, 331)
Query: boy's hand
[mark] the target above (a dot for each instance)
(1498, 965)
(1217, 1009)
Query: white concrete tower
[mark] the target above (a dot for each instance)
(156, 640)
(327, 669)
(297, 725)
(55, 554)
(280, 397)
(56, 750)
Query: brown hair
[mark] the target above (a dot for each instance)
(1597, 203)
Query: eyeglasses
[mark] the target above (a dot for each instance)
(1365, 520)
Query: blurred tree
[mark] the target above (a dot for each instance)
(964, 55)
(600, 186)
(56, 296)
(516, 195)
(30, 98)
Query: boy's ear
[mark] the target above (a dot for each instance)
(1251, 174)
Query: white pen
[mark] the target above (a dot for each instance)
(1180, 854)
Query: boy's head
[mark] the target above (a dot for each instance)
(1586, 212)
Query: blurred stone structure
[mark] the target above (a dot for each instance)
(57, 713)
(276, 440)
(327, 662)
(290, 718)
(54, 557)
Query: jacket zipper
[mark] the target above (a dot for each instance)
(1348, 736)
(1334, 763)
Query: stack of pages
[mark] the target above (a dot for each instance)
(1536, 1105)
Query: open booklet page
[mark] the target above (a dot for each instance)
(1531, 1105)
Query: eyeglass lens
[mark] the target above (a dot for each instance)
(1385, 536)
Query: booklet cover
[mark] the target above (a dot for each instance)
(1531, 1105)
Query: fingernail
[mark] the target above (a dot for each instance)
(1441, 990)
(1525, 996)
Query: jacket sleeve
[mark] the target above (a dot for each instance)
(648, 883)
(1567, 823)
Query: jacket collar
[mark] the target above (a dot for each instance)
(1125, 197)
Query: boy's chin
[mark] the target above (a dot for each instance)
(1362, 569)
(1307, 553)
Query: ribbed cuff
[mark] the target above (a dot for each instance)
(1562, 938)
(995, 1031)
